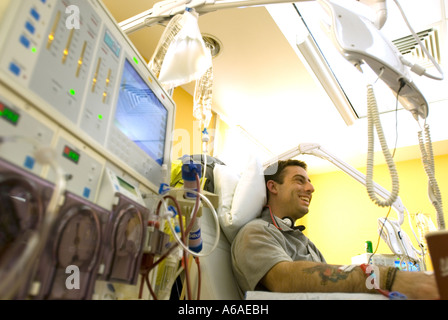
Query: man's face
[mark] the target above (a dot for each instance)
(295, 192)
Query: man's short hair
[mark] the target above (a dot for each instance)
(277, 173)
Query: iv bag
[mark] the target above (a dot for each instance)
(168, 36)
(187, 58)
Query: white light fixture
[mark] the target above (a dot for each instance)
(316, 61)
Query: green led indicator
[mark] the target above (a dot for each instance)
(72, 92)
(71, 154)
(33, 50)
(8, 114)
(135, 60)
(100, 116)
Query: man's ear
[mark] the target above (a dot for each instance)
(272, 186)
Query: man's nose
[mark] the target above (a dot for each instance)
(309, 187)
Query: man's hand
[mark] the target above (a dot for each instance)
(416, 285)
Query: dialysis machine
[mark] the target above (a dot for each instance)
(71, 81)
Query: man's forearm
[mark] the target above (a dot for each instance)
(306, 276)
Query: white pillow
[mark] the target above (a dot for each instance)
(226, 180)
(241, 199)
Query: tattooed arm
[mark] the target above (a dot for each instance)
(307, 276)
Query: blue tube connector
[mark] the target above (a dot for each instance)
(189, 171)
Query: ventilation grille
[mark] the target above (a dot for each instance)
(411, 50)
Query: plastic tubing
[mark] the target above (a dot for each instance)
(184, 233)
(374, 122)
(428, 164)
(215, 215)
(203, 97)
(420, 245)
(204, 171)
(180, 241)
(16, 276)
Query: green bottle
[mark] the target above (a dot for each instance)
(369, 248)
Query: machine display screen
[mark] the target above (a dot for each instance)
(127, 186)
(140, 115)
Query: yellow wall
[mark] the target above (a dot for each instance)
(342, 216)
(222, 130)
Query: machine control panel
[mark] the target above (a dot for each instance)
(81, 70)
(73, 83)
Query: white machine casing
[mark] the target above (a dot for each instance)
(65, 67)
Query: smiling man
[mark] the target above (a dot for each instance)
(271, 253)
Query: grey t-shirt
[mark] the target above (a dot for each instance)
(259, 245)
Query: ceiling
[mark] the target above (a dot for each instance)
(262, 84)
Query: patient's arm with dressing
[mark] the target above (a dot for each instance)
(307, 276)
